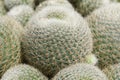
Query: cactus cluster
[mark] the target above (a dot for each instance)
(80, 72)
(85, 7)
(10, 33)
(23, 72)
(59, 39)
(21, 13)
(105, 28)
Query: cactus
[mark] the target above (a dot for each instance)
(113, 72)
(54, 38)
(104, 24)
(80, 71)
(56, 3)
(21, 13)
(2, 8)
(85, 7)
(23, 72)
(12, 3)
(10, 33)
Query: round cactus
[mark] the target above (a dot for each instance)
(104, 24)
(11, 3)
(56, 3)
(2, 8)
(54, 38)
(10, 33)
(85, 7)
(23, 72)
(113, 72)
(21, 13)
(80, 71)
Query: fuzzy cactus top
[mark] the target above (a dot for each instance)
(56, 3)
(23, 72)
(21, 13)
(80, 71)
(55, 38)
(104, 24)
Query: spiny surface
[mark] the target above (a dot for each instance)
(113, 72)
(56, 3)
(80, 71)
(12, 3)
(54, 38)
(104, 24)
(10, 33)
(23, 72)
(85, 7)
(21, 13)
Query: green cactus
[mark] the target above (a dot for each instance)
(85, 7)
(56, 3)
(21, 13)
(80, 71)
(12, 3)
(23, 72)
(54, 38)
(2, 8)
(10, 33)
(113, 72)
(104, 24)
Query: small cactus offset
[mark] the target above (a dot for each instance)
(91, 59)
(10, 35)
(12, 3)
(23, 72)
(56, 3)
(55, 38)
(80, 71)
(113, 72)
(104, 24)
(21, 13)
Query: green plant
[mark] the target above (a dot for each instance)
(56, 3)
(113, 72)
(80, 71)
(23, 72)
(21, 13)
(104, 25)
(10, 35)
(12, 3)
(55, 38)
